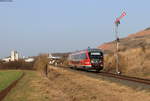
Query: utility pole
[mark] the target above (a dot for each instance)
(117, 22)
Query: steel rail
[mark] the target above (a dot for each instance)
(124, 77)
(118, 76)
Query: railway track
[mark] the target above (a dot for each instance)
(123, 77)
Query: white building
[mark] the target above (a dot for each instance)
(6, 59)
(29, 60)
(14, 56)
(53, 57)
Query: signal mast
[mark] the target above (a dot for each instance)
(117, 22)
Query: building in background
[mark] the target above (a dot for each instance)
(14, 56)
(54, 60)
(50, 56)
(30, 59)
(7, 59)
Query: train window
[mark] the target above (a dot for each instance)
(77, 57)
(95, 55)
(72, 57)
(83, 56)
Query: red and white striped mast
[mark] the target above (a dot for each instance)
(117, 22)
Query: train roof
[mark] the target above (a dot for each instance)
(89, 50)
(93, 49)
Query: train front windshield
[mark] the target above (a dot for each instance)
(95, 55)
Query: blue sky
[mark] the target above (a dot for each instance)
(38, 26)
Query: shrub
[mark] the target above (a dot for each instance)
(41, 62)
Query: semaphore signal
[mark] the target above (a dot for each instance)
(117, 22)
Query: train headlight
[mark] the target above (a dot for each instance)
(87, 62)
(92, 61)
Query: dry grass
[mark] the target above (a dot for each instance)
(64, 85)
(134, 55)
(77, 87)
(133, 62)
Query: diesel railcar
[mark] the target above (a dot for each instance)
(89, 59)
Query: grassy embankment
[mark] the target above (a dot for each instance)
(7, 77)
(31, 87)
(64, 85)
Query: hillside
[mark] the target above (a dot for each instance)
(140, 39)
(134, 53)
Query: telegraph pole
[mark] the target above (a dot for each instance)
(117, 22)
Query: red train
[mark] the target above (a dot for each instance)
(89, 59)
